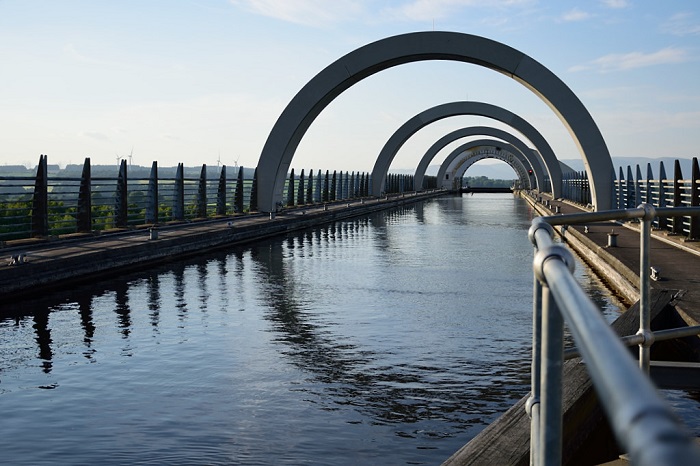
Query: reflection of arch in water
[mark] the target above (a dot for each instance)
(345, 72)
(534, 158)
(471, 152)
(439, 112)
(349, 369)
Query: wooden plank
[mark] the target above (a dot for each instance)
(587, 436)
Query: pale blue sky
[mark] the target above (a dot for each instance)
(192, 81)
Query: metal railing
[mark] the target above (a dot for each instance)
(643, 424)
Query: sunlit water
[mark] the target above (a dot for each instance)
(392, 339)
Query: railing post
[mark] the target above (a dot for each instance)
(644, 288)
(300, 190)
(152, 195)
(221, 193)
(694, 200)
(677, 222)
(663, 221)
(238, 201)
(121, 208)
(254, 192)
(40, 199)
(290, 189)
(179, 198)
(533, 403)
(202, 193)
(550, 442)
(310, 188)
(84, 218)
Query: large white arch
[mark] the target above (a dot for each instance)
(501, 151)
(532, 156)
(306, 105)
(439, 112)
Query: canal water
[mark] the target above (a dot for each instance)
(391, 339)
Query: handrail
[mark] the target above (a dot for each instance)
(642, 422)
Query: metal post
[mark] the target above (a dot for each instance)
(40, 199)
(221, 193)
(550, 442)
(152, 195)
(121, 215)
(677, 222)
(202, 193)
(644, 290)
(179, 198)
(694, 200)
(85, 200)
(533, 403)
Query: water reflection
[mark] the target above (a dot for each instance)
(87, 324)
(462, 393)
(43, 340)
(121, 301)
(376, 324)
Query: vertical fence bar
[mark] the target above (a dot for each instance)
(310, 188)
(663, 221)
(84, 217)
(202, 193)
(300, 190)
(334, 186)
(221, 193)
(121, 215)
(238, 198)
(152, 195)
(40, 199)
(694, 233)
(179, 195)
(677, 222)
(254, 192)
(290, 189)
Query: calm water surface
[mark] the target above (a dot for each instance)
(392, 339)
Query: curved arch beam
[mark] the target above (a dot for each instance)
(348, 70)
(532, 156)
(451, 163)
(439, 112)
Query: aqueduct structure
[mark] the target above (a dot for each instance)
(309, 102)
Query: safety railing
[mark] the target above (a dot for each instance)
(643, 424)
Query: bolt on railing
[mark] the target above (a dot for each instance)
(642, 422)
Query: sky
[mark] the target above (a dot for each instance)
(203, 81)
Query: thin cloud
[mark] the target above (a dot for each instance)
(95, 135)
(615, 4)
(421, 10)
(306, 12)
(633, 60)
(681, 24)
(576, 15)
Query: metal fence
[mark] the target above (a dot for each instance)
(52, 205)
(641, 421)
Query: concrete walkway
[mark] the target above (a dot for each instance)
(677, 260)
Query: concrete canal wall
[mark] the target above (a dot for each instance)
(56, 264)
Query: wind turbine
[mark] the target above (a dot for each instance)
(131, 154)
